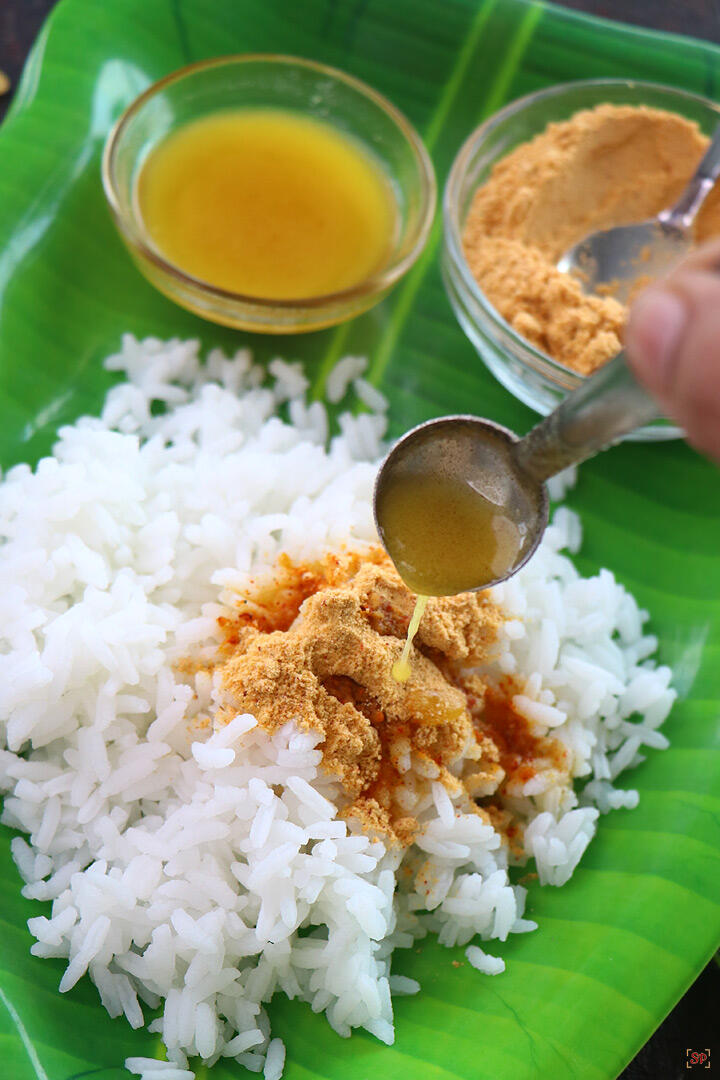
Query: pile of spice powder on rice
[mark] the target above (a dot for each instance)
(317, 642)
(611, 165)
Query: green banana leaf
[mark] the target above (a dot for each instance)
(622, 941)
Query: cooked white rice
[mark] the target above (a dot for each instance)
(181, 863)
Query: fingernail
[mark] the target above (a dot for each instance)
(657, 321)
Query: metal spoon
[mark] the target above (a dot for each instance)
(618, 257)
(497, 463)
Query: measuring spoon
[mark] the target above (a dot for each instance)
(461, 503)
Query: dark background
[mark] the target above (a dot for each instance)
(693, 1024)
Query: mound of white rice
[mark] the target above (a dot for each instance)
(181, 864)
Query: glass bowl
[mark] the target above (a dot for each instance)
(531, 375)
(269, 81)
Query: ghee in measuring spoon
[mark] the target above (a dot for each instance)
(432, 524)
(446, 537)
(268, 203)
(451, 517)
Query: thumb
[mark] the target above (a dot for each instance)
(657, 321)
(673, 345)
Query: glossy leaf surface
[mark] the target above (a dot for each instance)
(617, 946)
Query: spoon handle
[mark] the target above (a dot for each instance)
(607, 406)
(683, 213)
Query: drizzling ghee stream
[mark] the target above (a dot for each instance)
(450, 517)
(401, 667)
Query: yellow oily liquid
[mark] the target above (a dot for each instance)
(445, 537)
(267, 203)
(453, 519)
(401, 667)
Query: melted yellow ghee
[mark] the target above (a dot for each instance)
(444, 536)
(267, 203)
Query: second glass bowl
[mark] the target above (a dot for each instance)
(531, 375)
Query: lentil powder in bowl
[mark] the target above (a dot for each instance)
(532, 181)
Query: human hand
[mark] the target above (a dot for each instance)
(672, 342)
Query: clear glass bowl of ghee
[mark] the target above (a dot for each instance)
(530, 374)
(355, 135)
